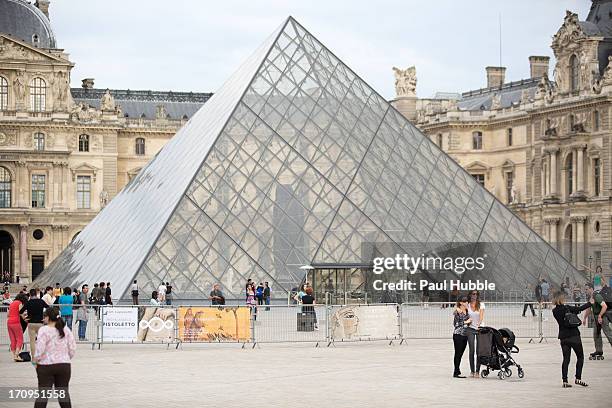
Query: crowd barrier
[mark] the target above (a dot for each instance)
(173, 325)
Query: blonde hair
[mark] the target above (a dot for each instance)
(558, 298)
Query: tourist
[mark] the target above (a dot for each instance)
(309, 311)
(538, 292)
(6, 297)
(251, 302)
(66, 301)
(569, 336)
(577, 294)
(102, 293)
(602, 319)
(168, 293)
(57, 291)
(108, 295)
(545, 293)
(425, 297)
(528, 300)
(461, 320)
(246, 288)
(598, 279)
(34, 309)
(81, 314)
(476, 314)
(161, 293)
(216, 296)
(48, 297)
(55, 347)
(13, 325)
(135, 293)
(154, 299)
(259, 293)
(267, 295)
(93, 298)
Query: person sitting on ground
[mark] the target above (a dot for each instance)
(55, 347)
(461, 320)
(569, 336)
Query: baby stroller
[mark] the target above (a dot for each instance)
(495, 349)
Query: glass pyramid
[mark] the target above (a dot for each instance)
(294, 161)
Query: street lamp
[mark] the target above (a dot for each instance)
(591, 269)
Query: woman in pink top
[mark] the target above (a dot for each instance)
(13, 324)
(55, 347)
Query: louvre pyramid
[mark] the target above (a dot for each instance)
(294, 161)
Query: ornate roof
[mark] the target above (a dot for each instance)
(600, 15)
(24, 21)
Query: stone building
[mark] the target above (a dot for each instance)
(540, 145)
(64, 153)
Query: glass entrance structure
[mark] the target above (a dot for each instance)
(294, 161)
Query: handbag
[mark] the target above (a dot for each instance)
(25, 356)
(572, 320)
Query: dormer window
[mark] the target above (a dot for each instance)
(35, 40)
(574, 72)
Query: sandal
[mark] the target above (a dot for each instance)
(580, 382)
(18, 359)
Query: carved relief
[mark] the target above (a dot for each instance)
(496, 102)
(10, 50)
(160, 112)
(59, 85)
(7, 138)
(545, 90)
(570, 32)
(19, 87)
(525, 96)
(107, 102)
(405, 81)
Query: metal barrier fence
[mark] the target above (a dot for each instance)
(293, 323)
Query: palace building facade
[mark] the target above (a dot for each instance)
(65, 152)
(540, 145)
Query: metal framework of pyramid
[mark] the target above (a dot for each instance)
(294, 161)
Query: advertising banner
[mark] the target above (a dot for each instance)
(364, 322)
(120, 324)
(157, 324)
(214, 324)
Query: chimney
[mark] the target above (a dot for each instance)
(43, 5)
(538, 66)
(495, 76)
(87, 83)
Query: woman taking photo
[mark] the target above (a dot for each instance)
(55, 347)
(475, 309)
(461, 320)
(569, 336)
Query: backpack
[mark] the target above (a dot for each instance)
(571, 320)
(606, 294)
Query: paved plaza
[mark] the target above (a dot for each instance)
(415, 374)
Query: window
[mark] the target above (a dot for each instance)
(596, 176)
(574, 73)
(596, 121)
(480, 178)
(35, 40)
(509, 184)
(572, 122)
(3, 93)
(477, 140)
(83, 143)
(38, 191)
(38, 234)
(5, 188)
(83, 192)
(140, 146)
(509, 136)
(38, 93)
(39, 141)
(570, 175)
(439, 140)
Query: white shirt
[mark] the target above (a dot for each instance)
(134, 287)
(475, 315)
(154, 302)
(161, 290)
(49, 299)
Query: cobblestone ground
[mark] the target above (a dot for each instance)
(374, 374)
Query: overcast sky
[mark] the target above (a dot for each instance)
(194, 45)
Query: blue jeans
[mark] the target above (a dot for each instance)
(68, 320)
(267, 301)
(82, 329)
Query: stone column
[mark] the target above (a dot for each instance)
(579, 224)
(580, 170)
(23, 252)
(547, 175)
(552, 223)
(64, 177)
(574, 171)
(553, 172)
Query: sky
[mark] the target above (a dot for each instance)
(195, 45)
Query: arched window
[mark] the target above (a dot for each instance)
(477, 140)
(38, 94)
(84, 143)
(5, 188)
(3, 93)
(574, 73)
(39, 141)
(140, 146)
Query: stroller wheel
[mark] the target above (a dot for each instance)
(521, 373)
(508, 372)
(501, 375)
(484, 373)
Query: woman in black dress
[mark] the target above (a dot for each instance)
(569, 336)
